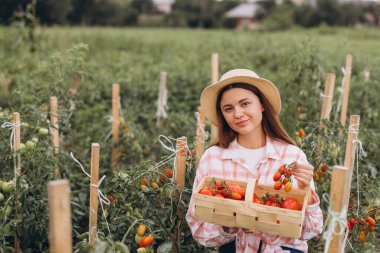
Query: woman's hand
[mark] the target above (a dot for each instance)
(303, 173)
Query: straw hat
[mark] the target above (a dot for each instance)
(210, 93)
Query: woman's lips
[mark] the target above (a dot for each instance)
(242, 123)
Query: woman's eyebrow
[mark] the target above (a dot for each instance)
(241, 101)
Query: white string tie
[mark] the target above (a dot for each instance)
(324, 96)
(201, 127)
(337, 220)
(12, 127)
(360, 153)
(171, 149)
(102, 199)
(162, 103)
(340, 89)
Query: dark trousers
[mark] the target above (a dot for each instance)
(231, 248)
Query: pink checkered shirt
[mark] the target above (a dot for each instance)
(226, 163)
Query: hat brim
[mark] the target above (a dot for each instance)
(210, 94)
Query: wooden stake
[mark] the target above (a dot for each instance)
(214, 79)
(328, 96)
(17, 142)
(349, 159)
(346, 91)
(339, 188)
(115, 124)
(180, 162)
(180, 176)
(60, 238)
(16, 146)
(54, 122)
(95, 149)
(75, 85)
(162, 97)
(55, 127)
(200, 136)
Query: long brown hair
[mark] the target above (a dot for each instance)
(271, 123)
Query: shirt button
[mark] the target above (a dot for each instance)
(238, 240)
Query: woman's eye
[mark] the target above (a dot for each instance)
(228, 109)
(245, 104)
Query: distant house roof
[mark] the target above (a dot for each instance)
(163, 1)
(244, 10)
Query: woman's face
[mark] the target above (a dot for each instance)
(242, 111)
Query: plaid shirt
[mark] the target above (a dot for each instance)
(226, 163)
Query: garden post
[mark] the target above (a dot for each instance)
(328, 98)
(16, 146)
(94, 192)
(180, 175)
(339, 188)
(214, 79)
(162, 99)
(346, 90)
(75, 85)
(115, 124)
(200, 136)
(55, 128)
(17, 142)
(60, 237)
(349, 159)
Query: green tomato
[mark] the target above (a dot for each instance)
(1, 197)
(119, 246)
(298, 140)
(35, 140)
(22, 146)
(24, 124)
(8, 186)
(137, 238)
(1, 183)
(43, 131)
(141, 250)
(2, 115)
(7, 211)
(30, 144)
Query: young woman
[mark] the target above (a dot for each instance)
(252, 144)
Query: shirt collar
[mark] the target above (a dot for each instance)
(271, 150)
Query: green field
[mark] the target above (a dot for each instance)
(36, 64)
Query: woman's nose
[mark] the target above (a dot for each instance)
(238, 113)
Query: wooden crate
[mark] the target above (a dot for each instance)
(248, 215)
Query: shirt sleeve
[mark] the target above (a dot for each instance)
(313, 223)
(207, 234)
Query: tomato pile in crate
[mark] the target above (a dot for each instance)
(250, 205)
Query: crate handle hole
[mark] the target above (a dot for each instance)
(256, 218)
(234, 214)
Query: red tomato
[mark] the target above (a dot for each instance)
(146, 241)
(255, 198)
(291, 204)
(268, 203)
(371, 221)
(205, 191)
(236, 196)
(276, 204)
(169, 173)
(111, 198)
(281, 169)
(276, 176)
(285, 180)
(235, 188)
(277, 185)
(353, 222)
(259, 201)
